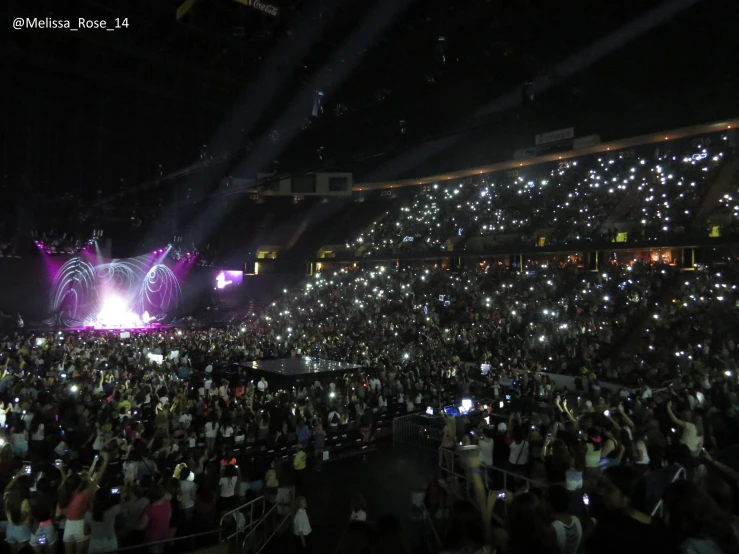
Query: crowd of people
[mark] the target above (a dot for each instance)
(554, 318)
(728, 209)
(612, 471)
(111, 441)
(570, 201)
(105, 445)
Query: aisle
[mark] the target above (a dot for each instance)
(385, 480)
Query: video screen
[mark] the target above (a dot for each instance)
(129, 293)
(228, 278)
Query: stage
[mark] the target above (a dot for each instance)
(156, 328)
(116, 295)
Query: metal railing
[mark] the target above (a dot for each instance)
(430, 521)
(410, 431)
(270, 524)
(659, 508)
(449, 463)
(251, 504)
(256, 506)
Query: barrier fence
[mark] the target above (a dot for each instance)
(259, 503)
(262, 521)
(659, 508)
(458, 476)
(269, 525)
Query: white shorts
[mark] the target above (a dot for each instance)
(48, 531)
(74, 531)
(17, 534)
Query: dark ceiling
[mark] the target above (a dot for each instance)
(91, 116)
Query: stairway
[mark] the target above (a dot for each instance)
(629, 343)
(723, 184)
(618, 214)
(267, 528)
(335, 223)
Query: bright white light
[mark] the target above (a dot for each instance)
(116, 313)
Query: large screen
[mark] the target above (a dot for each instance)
(129, 293)
(228, 278)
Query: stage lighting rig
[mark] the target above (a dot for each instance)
(205, 255)
(6, 249)
(55, 243)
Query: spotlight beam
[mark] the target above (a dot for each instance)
(381, 17)
(248, 110)
(582, 59)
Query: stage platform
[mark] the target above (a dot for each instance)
(294, 367)
(143, 329)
